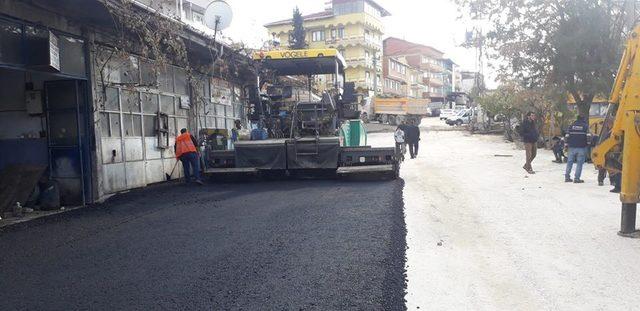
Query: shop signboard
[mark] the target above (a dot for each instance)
(54, 52)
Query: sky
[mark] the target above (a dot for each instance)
(429, 22)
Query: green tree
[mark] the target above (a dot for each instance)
(298, 36)
(511, 100)
(504, 104)
(572, 45)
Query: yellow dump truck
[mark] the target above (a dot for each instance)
(394, 111)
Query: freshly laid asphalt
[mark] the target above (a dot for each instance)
(325, 245)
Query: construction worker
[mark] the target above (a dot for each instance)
(235, 131)
(578, 146)
(558, 149)
(187, 152)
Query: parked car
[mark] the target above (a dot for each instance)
(446, 113)
(463, 117)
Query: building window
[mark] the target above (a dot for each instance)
(198, 18)
(341, 32)
(372, 10)
(333, 33)
(349, 7)
(317, 36)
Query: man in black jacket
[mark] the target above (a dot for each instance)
(412, 138)
(530, 137)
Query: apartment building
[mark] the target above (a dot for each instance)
(402, 80)
(424, 58)
(451, 77)
(355, 28)
(395, 72)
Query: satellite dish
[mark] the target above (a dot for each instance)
(218, 15)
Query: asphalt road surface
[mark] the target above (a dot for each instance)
(273, 245)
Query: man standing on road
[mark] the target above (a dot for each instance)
(187, 152)
(530, 135)
(578, 144)
(412, 138)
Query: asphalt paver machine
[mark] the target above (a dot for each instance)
(299, 133)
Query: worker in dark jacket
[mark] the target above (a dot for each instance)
(530, 135)
(412, 138)
(558, 149)
(578, 145)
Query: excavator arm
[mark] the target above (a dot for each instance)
(619, 148)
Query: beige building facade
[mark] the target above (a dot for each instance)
(355, 28)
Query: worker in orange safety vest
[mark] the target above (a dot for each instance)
(187, 152)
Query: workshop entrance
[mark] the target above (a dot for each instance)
(44, 146)
(67, 140)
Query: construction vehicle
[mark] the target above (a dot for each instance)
(597, 112)
(395, 111)
(317, 135)
(618, 150)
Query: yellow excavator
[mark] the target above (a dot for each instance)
(618, 150)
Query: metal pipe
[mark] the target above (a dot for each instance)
(628, 219)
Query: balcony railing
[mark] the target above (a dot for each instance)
(355, 62)
(361, 61)
(432, 81)
(355, 40)
(432, 67)
(434, 94)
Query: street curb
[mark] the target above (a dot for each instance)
(61, 214)
(39, 220)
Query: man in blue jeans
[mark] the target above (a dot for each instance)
(187, 153)
(578, 146)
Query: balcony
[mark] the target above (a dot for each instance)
(419, 88)
(434, 82)
(359, 62)
(435, 94)
(355, 40)
(432, 67)
(363, 85)
(417, 83)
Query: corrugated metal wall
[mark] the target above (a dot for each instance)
(129, 95)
